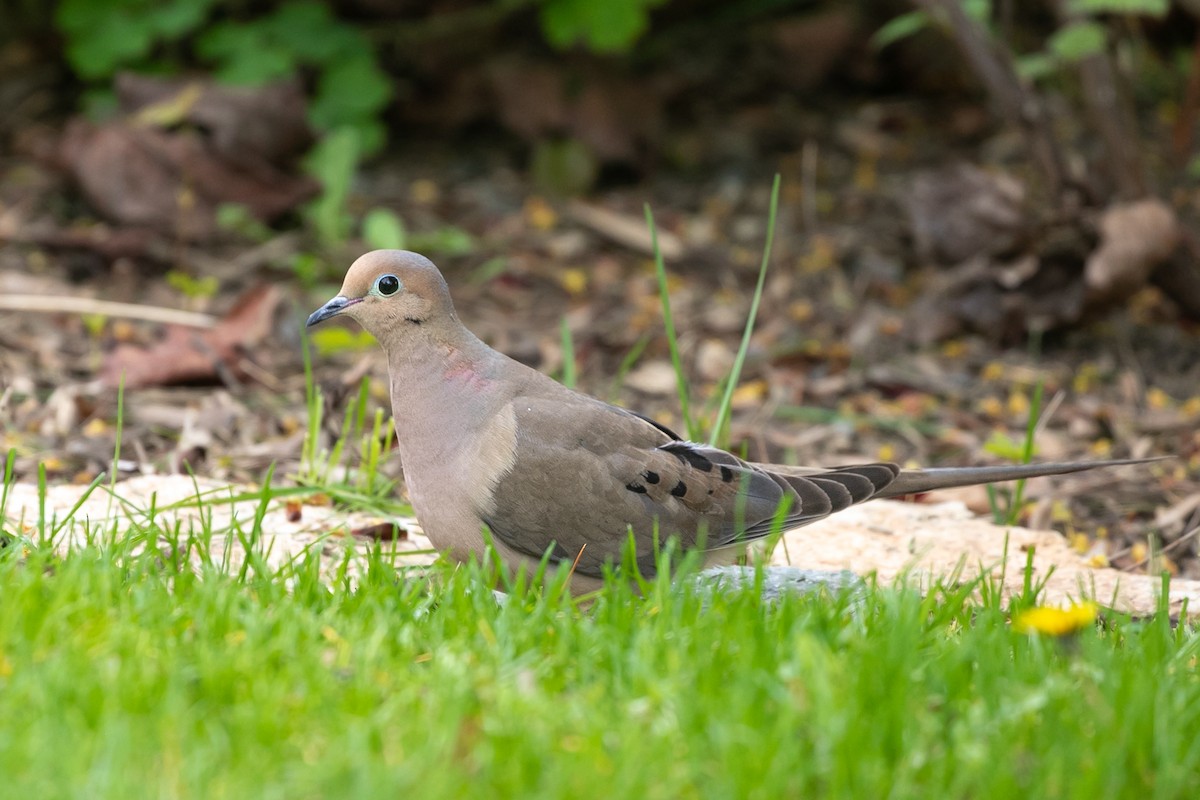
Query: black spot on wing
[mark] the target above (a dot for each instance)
(680, 489)
(726, 474)
(687, 453)
(651, 477)
(635, 487)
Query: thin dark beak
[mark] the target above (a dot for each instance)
(331, 309)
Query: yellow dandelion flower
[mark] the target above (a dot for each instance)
(1056, 621)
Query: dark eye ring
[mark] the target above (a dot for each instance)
(387, 285)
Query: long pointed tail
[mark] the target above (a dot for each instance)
(915, 481)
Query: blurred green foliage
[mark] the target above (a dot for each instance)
(606, 26)
(1085, 35)
(350, 88)
(246, 44)
(103, 36)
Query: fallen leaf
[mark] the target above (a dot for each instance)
(1134, 239)
(186, 355)
(186, 148)
(383, 531)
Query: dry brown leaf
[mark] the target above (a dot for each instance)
(1135, 238)
(186, 148)
(186, 355)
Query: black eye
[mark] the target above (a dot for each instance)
(388, 285)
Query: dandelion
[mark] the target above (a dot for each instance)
(1056, 621)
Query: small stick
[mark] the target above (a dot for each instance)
(84, 305)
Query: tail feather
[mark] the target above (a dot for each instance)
(915, 481)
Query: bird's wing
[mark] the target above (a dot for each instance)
(587, 475)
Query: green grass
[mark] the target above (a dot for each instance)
(127, 674)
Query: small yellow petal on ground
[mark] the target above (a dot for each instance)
(991, 406)
(95, 428)
(955, 348)
(424, 191)
(801, 311)
(539, 214)
(1079, 542)
(749, 394)
(992, 371)
(1086, 377)
(1018, 404)
(1157, 398)
(574, 280)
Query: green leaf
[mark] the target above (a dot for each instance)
(226, 40)
(384, 230)
(238, 219)
(1078, 41)
(350, 90)
(173, 20)
(310, 29)
(1193, 168)
(102, 37)
(563, 166)
(1006, 447)
(112, 41)
(331, 340)
(1148, 8)
(1036, 66)
(333, 161)
(254, 67)
(609, 26)
(898, 28)
(445, 241)
(192, 287)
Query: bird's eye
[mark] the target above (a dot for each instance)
(387, 285)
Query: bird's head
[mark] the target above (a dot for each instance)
(390, 291)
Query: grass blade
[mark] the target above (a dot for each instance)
(681, 387)
(723, 410)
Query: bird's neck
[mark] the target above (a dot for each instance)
(442, 389)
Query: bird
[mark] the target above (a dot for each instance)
(496, 453)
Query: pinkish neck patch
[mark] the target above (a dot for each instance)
(464, 374)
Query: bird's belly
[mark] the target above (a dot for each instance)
(452, 527)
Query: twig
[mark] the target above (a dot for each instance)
(1181, 138)
(1162, 551)
(53, 304)
(993, 65)
(625, 230)
(1109, 116)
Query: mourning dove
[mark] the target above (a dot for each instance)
(487, 441)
